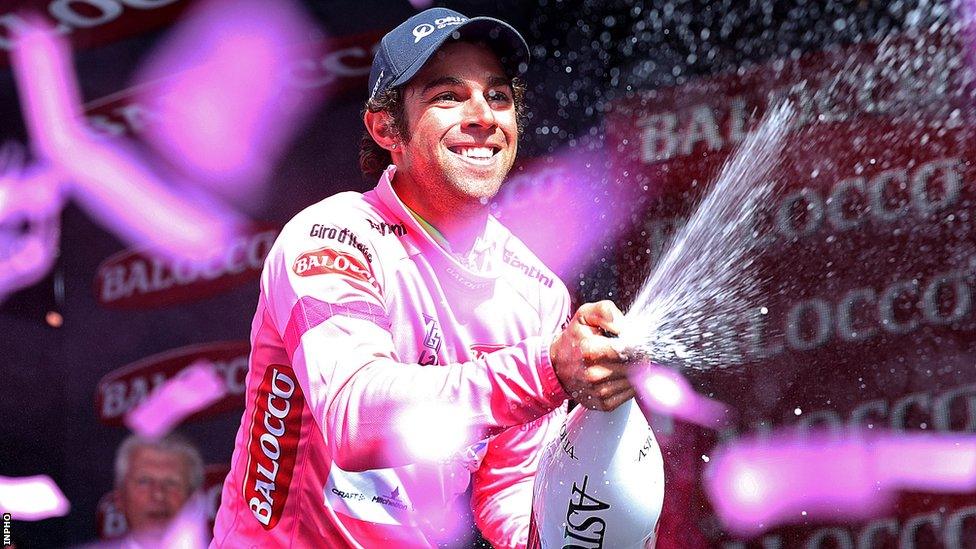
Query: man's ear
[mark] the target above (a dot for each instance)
(380, 127)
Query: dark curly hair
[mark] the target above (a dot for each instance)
(373, 159)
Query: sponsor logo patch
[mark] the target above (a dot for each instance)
(392, 500)
(424, 30)
(482, 349)
(530, 271)
(343, 236)
(331, 261)
(432, 342)
(272, 447)
(384, 228)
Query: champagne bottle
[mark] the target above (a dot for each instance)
(600, 484)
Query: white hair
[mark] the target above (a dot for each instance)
(170, 443)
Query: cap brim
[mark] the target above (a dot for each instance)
(498, 35)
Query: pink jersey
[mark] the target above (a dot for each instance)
(363, 316)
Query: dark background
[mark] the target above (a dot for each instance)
(588, 59)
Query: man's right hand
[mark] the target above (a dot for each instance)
(590, 370)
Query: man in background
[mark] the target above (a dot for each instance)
(154, 479)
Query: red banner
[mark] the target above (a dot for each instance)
(89, 23)
(867, 261)
(134, 280)
(333, 68)
(124, 389)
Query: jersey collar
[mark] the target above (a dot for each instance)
(429, 240)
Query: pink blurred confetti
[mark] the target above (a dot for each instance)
(563, 207)
(30, 222)
(218, 86)
(190, 529)
(32, 498)
(193, 389)
(758, 484)
(666, 392)
(113, 184)
(421, 442)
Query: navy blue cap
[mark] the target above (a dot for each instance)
(407, 48)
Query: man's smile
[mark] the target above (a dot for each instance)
(476, 154)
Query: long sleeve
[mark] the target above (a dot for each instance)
(327, 302)
(503, 484)
(502, 487)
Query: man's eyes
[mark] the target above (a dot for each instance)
(496, 95)
(493, 95)
(166, 484)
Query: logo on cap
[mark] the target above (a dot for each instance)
(422, 30)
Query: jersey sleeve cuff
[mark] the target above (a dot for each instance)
(547, 374)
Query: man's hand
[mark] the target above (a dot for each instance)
(586, 364)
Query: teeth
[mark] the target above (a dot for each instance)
(474, 152)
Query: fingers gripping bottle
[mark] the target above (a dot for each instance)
(600, 484)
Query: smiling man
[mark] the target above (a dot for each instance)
(394, 321)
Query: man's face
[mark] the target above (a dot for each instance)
(463, 132)
(154, 490)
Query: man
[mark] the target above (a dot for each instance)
(412, 297)
(153, 481)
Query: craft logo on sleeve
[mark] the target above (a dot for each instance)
(275, 432)
(331, 261)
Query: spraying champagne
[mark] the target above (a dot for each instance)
(601, 484)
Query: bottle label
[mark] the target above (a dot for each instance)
(585, 528)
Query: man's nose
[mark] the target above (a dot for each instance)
(157, 491)
(478, 112)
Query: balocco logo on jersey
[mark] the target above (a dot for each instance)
(122, 390)
(275, 431)
(131, 280)
(328, 260)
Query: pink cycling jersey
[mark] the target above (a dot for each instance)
(363, 316)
